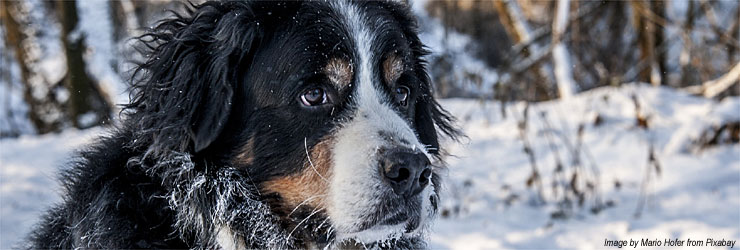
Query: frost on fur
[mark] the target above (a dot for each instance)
(232, 214)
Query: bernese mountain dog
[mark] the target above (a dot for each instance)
(265, 124)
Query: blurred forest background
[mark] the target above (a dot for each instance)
(67, 63)
(535, 46)
(622, 114)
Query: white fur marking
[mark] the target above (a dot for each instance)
(227, 240)
(356, 186)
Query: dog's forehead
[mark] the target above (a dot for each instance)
(328, 38)
(370, 30)
(372, 34)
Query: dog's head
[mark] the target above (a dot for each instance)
(325, 106)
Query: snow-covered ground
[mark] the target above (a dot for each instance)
(697, 194)
(29, 166)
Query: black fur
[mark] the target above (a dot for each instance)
(217, 77)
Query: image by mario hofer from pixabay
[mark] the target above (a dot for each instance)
(675, 242)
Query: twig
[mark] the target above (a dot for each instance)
(535, 178)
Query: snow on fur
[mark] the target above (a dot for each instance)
(207, 219)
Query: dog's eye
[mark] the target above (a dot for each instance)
(402, 95)
(314, 97)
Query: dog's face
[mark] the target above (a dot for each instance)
(335, 95)
(329, 111)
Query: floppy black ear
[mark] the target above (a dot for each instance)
(430, 116)
(425, 127)
(183, 98)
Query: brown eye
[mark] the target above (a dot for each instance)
(314, 97)
(402, 95)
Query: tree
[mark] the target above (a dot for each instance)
(87, 106)
(517, 28)
(46, 108)
(646, 41)
(68, 95)
(560, 54)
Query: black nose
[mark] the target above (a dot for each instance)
(407, 173)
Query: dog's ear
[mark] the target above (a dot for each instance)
(425, 126)
(430, 116)
(182, 99)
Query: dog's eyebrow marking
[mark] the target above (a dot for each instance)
(392, 68)
(340, 72)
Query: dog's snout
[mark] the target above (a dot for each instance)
(407, 173)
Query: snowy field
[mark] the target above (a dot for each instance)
(486, 202)
(697, 194)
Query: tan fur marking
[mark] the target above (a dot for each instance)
(392, 68)
(246, 156)
(339, 72)
(310, 187)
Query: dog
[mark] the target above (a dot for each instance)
(265, 124)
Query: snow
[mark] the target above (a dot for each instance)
(697, 194)
(28, 174)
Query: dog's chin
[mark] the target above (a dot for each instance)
(380, 233)
(405, 223)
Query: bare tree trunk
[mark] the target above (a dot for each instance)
(512, 22)
(507, 20)
(646, 40)
(614, 62)
(687, 78)
(9, 114)
(45, 110)
(658, 8)
(560, 55)
(87, 106)
(734, 33)
(516, 27)
(125, 21)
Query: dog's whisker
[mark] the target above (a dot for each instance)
(304, 201)
(305, 145)
(254, 185)
(304, 220)
(322, 223)
(328, 234)
(331, 242)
